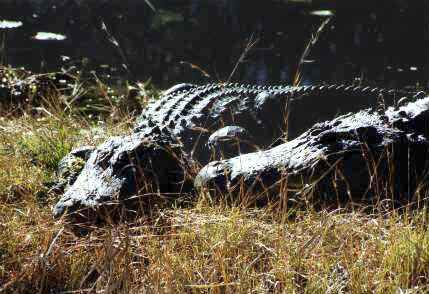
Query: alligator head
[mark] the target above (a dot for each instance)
(125, 169)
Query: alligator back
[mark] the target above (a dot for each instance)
(191, 113)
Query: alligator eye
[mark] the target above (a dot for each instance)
(119, 161)
(122, 156)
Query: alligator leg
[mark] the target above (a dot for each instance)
(230, 141)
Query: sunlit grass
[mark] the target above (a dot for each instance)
(220, 249)
(211, 247)
(206, 247)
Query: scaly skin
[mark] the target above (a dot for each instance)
(365, 154)
(173, 132)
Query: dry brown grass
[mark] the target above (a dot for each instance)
(206, 248)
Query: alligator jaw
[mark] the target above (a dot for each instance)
(91, 190)
(101, 180)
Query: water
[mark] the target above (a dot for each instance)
(374, 42)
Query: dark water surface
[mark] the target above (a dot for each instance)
(383, 42)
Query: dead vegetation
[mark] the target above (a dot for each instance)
(205, 247)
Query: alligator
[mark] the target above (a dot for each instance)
(190, 126)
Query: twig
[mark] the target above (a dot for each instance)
(310, 45)
(44, 258)
(196, 67)
(115, 42)
(150, 5)
(250, 44)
